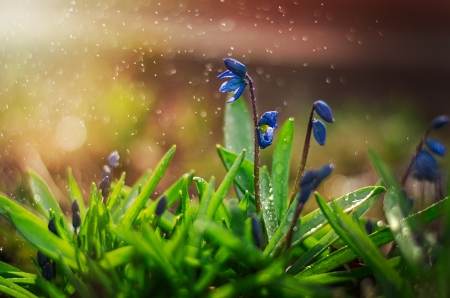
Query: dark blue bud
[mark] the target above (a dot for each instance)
(47, 271)
(320, 131)
(369, 227)
(425, 167)
(235, 67)
(435, 146)
(161, 207)
(75, 206)
(410, 202)
(106, 172)
(439, 121)
(76, 219)
(324, 171)
(270, 118)
(52, 227)
(307, 177)
(324, 111)
(305, 193)
(257, 231)
(113, 159)
(265, 136)
(105, 186)
(41, 259)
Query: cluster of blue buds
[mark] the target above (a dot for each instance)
(319, 129)
(266, 125)
(107, 176)
(425, 166)
(311, 180)
(47, 269)
(237, 73)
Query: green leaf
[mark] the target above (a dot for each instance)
(412, 252)
(267, 204)
(13, 290)
(75, 193)
(206, 192)
(356, 238)
(313, 221)
(280, 167)
(82, 289)
(117, 257)
(244, 179)
(133, 212)
(116, 192)
(44, 200)
(222, 190)
(383, 171)
(238, 128)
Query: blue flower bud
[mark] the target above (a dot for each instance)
(270, 118)
(369, 227)
(47, 271)
(257, 231)
(320, 131)
(265, 136)
(426, 167)
(41, 259)
(307, 177)
(436, 146)
(324, 171)
(75, 206)
(235, 67)
(324, 111)
(76, 219)
(161, 207)
(305, 193)
(105, 186)
(440, 121)
(113, 159)
(106, 172)
(52, 227)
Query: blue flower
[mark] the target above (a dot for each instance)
(266, 126)
(436, 147)
(426, 167)
(320, 131)
(236, 72)
(311, 180)
(324, 111)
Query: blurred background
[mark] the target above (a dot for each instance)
(79, 79)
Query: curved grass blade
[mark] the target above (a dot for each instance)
(267, 203)
(13, 290)
(116, 193)
(383, 171)
(75, 193)
(280, 167)
(117, 257)
(356, 238)
(44, 200)
(82, 289)
(222, 190)
(206, 191)
(238, 128)
(133, 212)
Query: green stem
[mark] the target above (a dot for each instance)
(256, 164)
(305, 151)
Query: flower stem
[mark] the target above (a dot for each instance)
(413, 158)
(287, 239)
(256, 164)
(305, 151)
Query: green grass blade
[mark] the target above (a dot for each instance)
(75, 193)
(133, 212)
(117, 257)
(356, 238)
(222, 190)
(280, 167)
(116, 192)
(206, 193)
(44, 200)
(267, 203)
(403, 234)
(13, 290)
(238, 128)
(383, 171)
(82, 289)
(244, 179)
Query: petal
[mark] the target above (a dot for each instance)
(305, 193)
(440, 121)
(235, 67)
(436, 147)
(324, 171)
(238, 92)
(231, 85)
(307, 177)
(324, 111)
(113, 159)
(426, 167)
(228, 75)
(269, 118)
(265, 138)
(320, 131)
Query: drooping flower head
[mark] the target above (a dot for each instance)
(320, 131)
(311, 180)
(266, 125)
(236, 72)
(425, 167)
